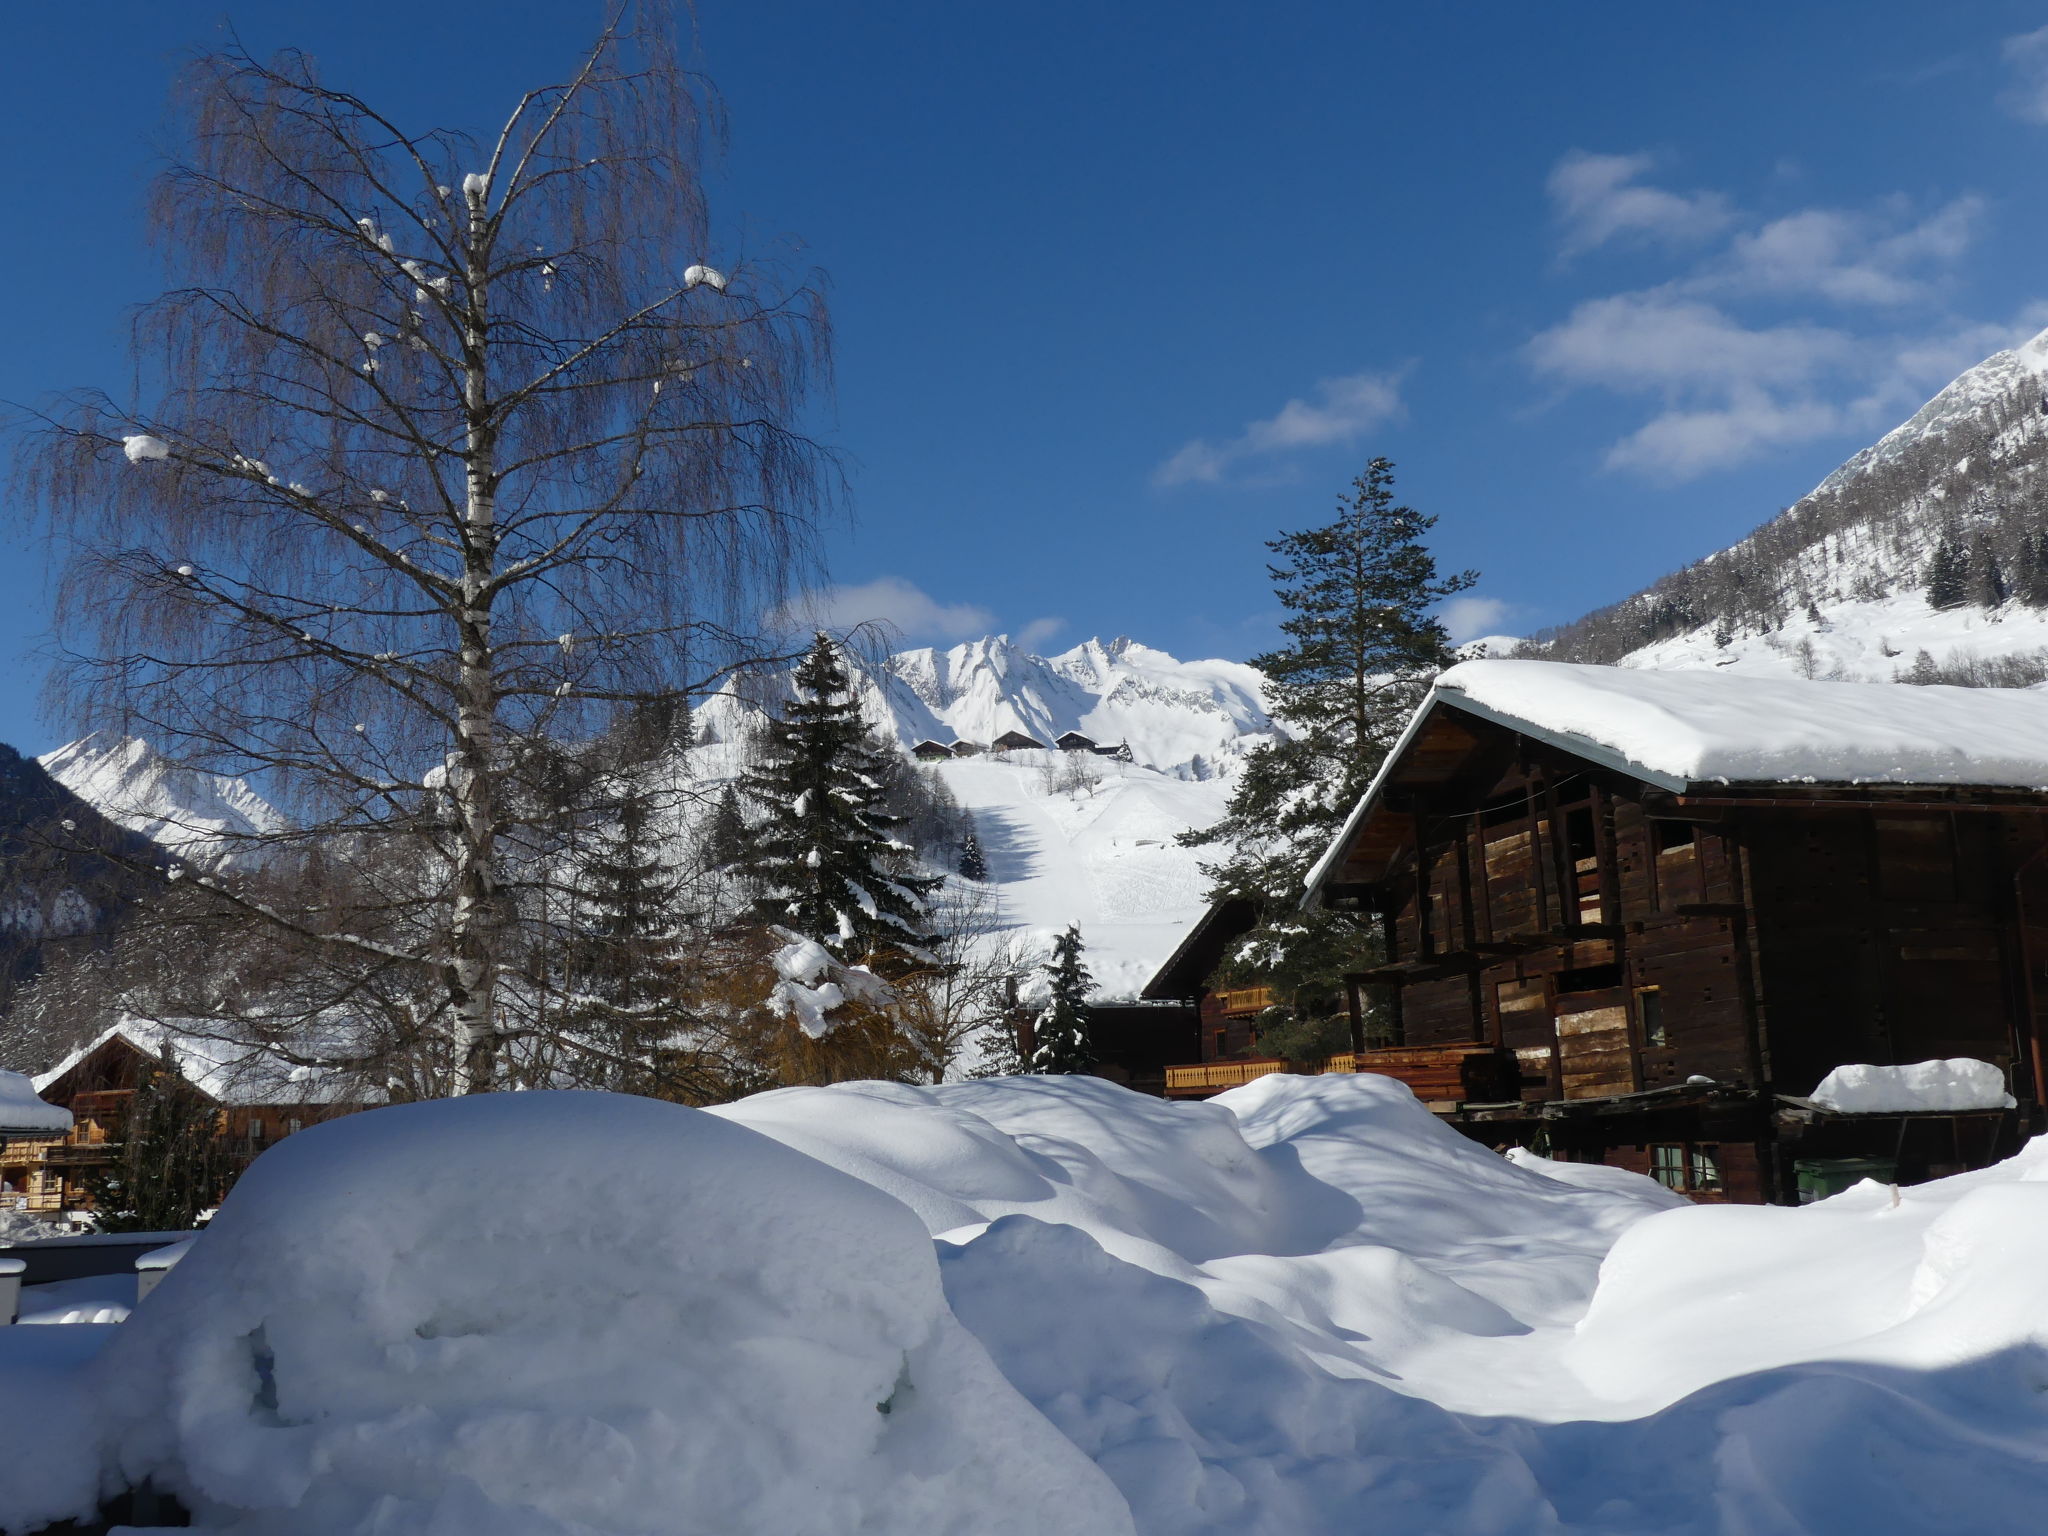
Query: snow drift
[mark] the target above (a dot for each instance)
(560, 1312)
(1304, 1308)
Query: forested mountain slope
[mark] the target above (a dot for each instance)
(1934, 539)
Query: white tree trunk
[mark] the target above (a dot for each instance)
(474, 926)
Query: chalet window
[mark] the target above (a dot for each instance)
(1222, 1042)
(1689, 1169)
(1650, 1015)
(1589, 978)
(291, 1126)
(255, 1127)
(1669, 836)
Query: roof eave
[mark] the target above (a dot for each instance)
(1566, 741)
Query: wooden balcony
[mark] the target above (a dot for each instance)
(1243, 1000)
(1438, 1073)
(1204, 1078)
(80, 1157)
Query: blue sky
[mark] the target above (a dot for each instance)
(1123, 289)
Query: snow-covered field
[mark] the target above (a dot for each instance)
(1048, 1305)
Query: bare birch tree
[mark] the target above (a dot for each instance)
(443, 451)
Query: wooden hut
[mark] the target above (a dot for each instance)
(1074, 741)
(967, 749)
(931, 752)
(260, 1099)
(1636, 917)
(1016, 741)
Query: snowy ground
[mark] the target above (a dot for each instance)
(1103, 857)
(1048, 1305)
(1869, 642)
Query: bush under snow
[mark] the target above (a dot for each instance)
(532, 1314)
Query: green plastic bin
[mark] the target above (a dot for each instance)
(1820, 1177)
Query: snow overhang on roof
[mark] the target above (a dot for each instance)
(1693, 731)
(24, 1114)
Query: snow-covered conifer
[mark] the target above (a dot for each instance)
(824, 854)
(973, 866)
(1061, 1041)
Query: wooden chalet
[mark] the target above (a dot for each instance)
(259, 1100)
(931, 752)
(1074, 741)
(1635, 917)
(1016, 741)
(967, 749)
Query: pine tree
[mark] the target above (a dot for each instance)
(824, 853)
(1988, 588)
(1062, 1042)
(172, 1163)
(972, 865)
(2030, 581)
(725, 839)
(1948, 573)
(1363, 650)
(625, 959)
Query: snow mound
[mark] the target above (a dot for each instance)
(1957, 1084)
(21, 1111)
(1718, 727)
(411, 1321)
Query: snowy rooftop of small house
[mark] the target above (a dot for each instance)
(226, 1071)
(21, 1111)
(1690, 727)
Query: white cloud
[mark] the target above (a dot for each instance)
(1344, 408)
(1725, 384)
(1682, 444)
(1469, 616)
(1848, 258)
(1598, 198)
(1658, 340)
(889, 600)
(2026, 55)
(1038, 631)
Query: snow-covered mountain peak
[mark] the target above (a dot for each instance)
(1191, 719)
(132, 784)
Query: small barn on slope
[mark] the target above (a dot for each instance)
(1648, 914)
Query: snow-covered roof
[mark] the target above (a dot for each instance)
(226, 1071)
(1685, 730)
(23, 1114)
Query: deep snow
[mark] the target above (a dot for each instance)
(1304, 1307)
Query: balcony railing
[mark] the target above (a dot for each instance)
(1203, 1078)
(1435, 1074)
(1244, 999)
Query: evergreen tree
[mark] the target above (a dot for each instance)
(1363, 649)
(972, 865)
(1988, 588)
(2031, 580)
(725, 839)
(824, 853)
(172, 1163)
(1061, 1037)
(1948, 573)
(626, 956)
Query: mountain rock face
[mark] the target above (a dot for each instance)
(1845, 581)
(66, 871)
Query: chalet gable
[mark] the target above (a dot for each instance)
(1695, 737)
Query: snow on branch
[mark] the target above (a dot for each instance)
(813, 985)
